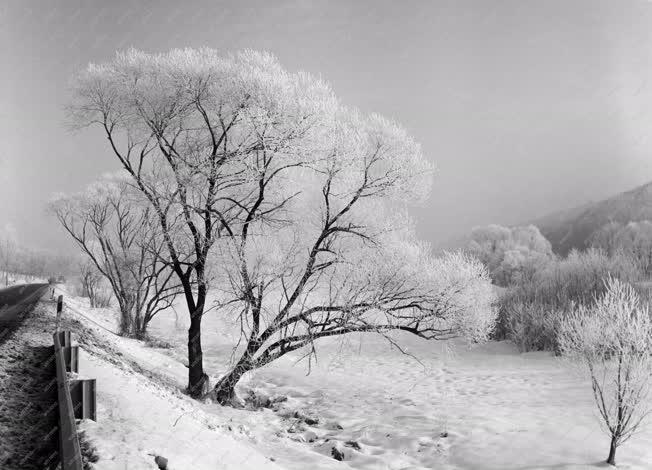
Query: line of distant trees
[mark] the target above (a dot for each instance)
(514, 255)
(19, 260)
(540, 287)
(633, 239)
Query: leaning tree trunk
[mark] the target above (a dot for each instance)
(611, 460)
(224, 391)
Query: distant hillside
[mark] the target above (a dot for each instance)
(572, 228)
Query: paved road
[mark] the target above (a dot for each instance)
(28, 393)
(16, 302)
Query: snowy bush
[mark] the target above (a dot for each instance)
(533, 326)
(529, 312)
(580, 276)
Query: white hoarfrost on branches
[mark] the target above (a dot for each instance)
(336, 253)
(612, 340)
(512, 254)
(114, 227)
(186, 126)
(303, 198)
(633, 239)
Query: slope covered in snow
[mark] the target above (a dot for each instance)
(139, 417)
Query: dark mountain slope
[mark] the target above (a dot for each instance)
(572, 228)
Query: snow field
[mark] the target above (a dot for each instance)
(486, 407)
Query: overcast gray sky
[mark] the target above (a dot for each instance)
(526, 107)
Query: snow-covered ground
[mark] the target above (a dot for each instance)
(139, 419)
(488, 407)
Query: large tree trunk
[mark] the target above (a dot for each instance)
(197, 379)
(126, 316)
(140, 328)
(611, 460)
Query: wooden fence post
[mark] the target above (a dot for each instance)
(84, 398)
(69, 449)
(59, 309)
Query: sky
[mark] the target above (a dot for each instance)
(525, 107)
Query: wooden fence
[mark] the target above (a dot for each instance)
(76, 397)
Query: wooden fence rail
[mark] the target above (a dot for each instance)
(69, 449)
(76, 397)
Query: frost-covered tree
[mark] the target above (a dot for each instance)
(339, 256)
(512, 254)
(633, 239)
(185, 125)
(606, 237)
(17, 259)
(113, 226)
(90, 278)
(612, 340)
(530, 310)
(581, 276)
(8, 252)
